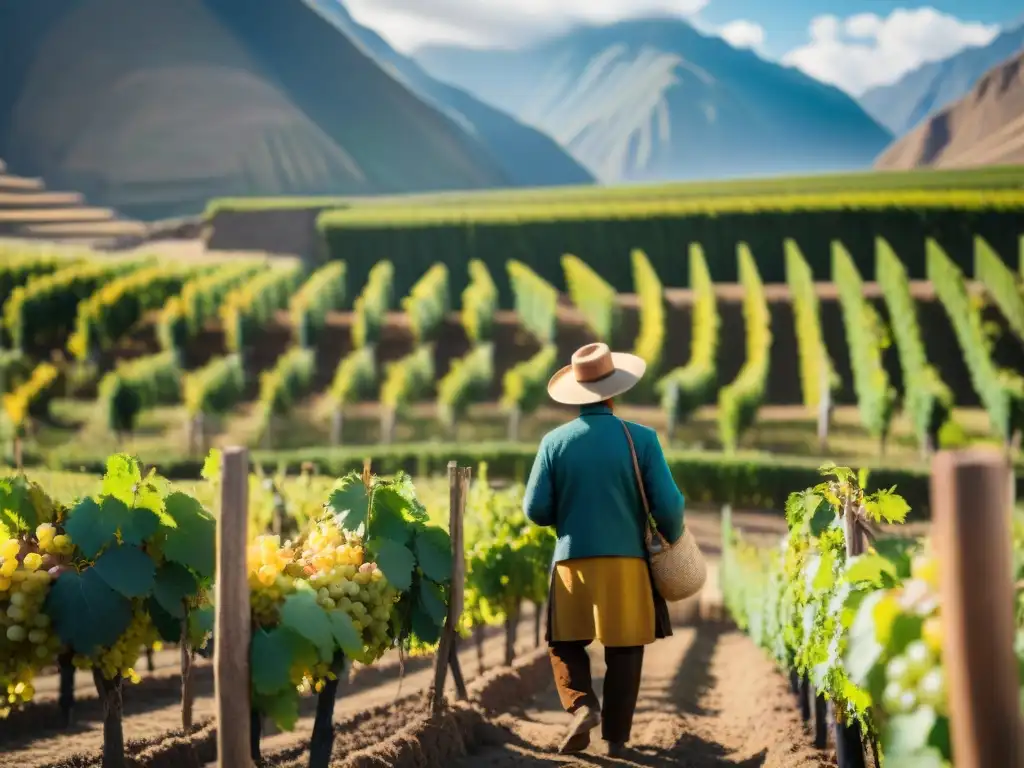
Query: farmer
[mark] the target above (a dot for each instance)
(584, 483)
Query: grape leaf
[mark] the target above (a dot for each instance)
(282, 708)
(821, 515)
(211, 466)
(92, 526)
(166, 625)
(863, 650)
(424, 626)
(345, 633)
(123, 474)
(174, 584)
(200, 624)
(908, 734)
(306, 618)
(17, 513)
(86, 613)
(395, 561)
(434, 553)
(349, 503)
(887, 505)
(432, 601)
(869, 568)
(386, 518)
(127, 570)
(193, 539)
(271, 658)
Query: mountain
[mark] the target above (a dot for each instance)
(654, 99)
(527, 156)
(153, 107)
(985, 127)
(929, 88)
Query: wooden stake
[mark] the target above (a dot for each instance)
(458, 488)
(232, 636)
(971, 517)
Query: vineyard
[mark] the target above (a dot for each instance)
(169, 358)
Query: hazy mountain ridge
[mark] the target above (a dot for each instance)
(931, 87)
(527, 156)
(654, 99)
(985, 127)
(194, 99)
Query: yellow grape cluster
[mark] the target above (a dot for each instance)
(344, 579)
(121, 657)
(27, 643)
(272, 573)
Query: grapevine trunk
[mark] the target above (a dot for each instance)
(322, 741)
(849, 745)
(113, 709)
(511, 625)
(255, 734)
(66, 698)
(188, 656)
(478, 639)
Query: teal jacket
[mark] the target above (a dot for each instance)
(583, 483)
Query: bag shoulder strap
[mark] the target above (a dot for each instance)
(648, 522)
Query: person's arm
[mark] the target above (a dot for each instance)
(666, 501)
(539, 498)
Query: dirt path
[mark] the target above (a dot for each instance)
(155, 712)
(710, 698)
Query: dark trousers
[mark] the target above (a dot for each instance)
(571, 665)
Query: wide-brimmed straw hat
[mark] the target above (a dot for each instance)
(596, 374)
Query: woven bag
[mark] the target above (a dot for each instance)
(678, 568)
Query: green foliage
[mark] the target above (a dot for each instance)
(479, 303)
(594, 297)
(1001, 390)
(815, 364)
(139, 385)
(685, 389)
(47, 305)
(19, 265)
(15, 368)
(322, 292)
(1001, 283)
(427, 303)
(372, 304)
(112, 310)
(140, 549)
(468, 379)
(739, 400)
(525, 384)
(215, 388)
(408, 379)
(507, 558)
(283, 385)
(355, 376)
(927, 400)
(31, 397)
(185, 315)
(414, 555)
(650, 340)
(867, 338)
(536, 301)
(257, 301)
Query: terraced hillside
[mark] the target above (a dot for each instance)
(31, 211)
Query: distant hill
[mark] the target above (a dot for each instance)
(152, 107)
(527, 156)
(929, 88)
(986, 127)
(654, 99)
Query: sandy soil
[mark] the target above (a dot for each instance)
(710, 698)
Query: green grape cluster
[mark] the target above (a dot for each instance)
(915, 677)
(29, 562)
(120, 658)
(345, 580)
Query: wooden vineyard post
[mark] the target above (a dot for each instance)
(971, 517)
(458, 488)
(232, 634)
(824, 406)
(848, 734)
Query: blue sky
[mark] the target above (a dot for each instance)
(853, 44)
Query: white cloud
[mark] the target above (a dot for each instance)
(743, 34)
(409, 24)
(865, 50)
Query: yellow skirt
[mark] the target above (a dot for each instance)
(607, 599)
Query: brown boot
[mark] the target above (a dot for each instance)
(577, 736)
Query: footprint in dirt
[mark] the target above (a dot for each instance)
(709, 698)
